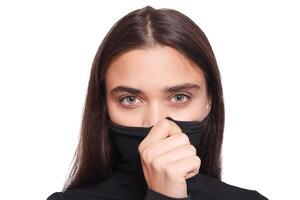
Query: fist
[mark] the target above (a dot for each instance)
(168, 159)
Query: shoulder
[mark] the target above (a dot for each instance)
(74, 194)
(56, 196)
(92, 192)
(204, 185)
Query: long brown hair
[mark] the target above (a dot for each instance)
(142, 28)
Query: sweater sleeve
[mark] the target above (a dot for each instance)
(153, 195)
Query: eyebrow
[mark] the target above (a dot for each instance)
(176, 88)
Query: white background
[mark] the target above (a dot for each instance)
(46, 52)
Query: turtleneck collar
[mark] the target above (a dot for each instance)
(127, 138)
(128, 173)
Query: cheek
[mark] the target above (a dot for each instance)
(193, 112)
(113, 112)
(121, 116)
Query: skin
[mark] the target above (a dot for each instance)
(167, 156)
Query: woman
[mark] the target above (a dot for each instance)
(154, 116)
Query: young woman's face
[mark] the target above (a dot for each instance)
(143, 86)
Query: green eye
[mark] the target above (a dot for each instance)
(129, 99)
(179, 98)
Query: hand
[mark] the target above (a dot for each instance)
(168, 159)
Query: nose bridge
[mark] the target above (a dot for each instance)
(154, 112)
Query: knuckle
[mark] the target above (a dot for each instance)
(192, 149)
(197, 170)
(140, 147)
(198, 160)
(170, 171)
(185, 138)
(157, 163)
(146, 154)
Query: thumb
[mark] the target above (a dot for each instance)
(159, 131)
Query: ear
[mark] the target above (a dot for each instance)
(208, 105)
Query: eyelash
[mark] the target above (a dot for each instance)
(176, 104)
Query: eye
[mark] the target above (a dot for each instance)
(128, 100)
(181, 98)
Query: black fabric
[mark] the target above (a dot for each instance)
(127, 180)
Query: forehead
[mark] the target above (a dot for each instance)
(153, 67)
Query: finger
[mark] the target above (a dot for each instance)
(185, 166)
(159, 131)
(168, 144)
(191, 174)
(179, 153)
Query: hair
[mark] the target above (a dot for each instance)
(144, 28)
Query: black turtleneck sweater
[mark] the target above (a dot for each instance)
(127, 181)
